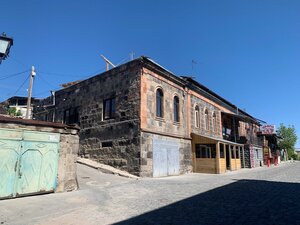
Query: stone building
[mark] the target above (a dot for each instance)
(142, 118)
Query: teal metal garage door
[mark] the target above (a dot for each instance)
(28, 162)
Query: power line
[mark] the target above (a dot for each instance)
(40, 76)
(13, 75)
(58, 74)
(21, 85)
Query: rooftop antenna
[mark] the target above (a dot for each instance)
(131, 54)
(107, 62)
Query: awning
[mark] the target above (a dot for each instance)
(218, 139)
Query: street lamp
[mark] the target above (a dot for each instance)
(5, 44)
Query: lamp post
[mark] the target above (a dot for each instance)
(5, 44)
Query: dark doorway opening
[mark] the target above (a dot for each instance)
(227, 157)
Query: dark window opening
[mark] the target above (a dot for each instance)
(159, 103)
(176, 109)
(232, 152)
(222, 155)
(106, 144)
(197, 120)
(206, 116)
(237, 153)
(109, 110)
(205, 151)
(71, 116)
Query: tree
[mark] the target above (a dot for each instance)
(288, 139)
(13, 111)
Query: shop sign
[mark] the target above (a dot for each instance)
(268, 129)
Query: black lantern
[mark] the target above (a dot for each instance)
(5, 44)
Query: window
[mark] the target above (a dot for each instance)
(205, 151)
(107, 144)
(206, 118)
(176, 109)
(159, 103)
(67, 116)
(197, 124)
(109, 108)
(232, 152)
(222, 155)
(71, 116)
(237, 152)
(214, 122)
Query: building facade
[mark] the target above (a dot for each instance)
(142, 118)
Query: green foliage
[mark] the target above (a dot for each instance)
(295, 156)
(289, 139)
(13, 111)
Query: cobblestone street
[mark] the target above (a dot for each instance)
(249, 196)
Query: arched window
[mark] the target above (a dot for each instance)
(214, 122)
(206, 118)
(176, 109)
(197, 122)
(159, 103)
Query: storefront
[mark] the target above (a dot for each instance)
(213, 155)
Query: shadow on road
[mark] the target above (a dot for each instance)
(242, 202)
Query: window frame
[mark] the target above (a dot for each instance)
(159, 100)
(109, 108)
(206, 151)
(176, 107)
(197, 117)
(214, 121)
(206, 119)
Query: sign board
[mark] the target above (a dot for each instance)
(268, 129)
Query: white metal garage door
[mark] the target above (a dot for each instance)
(165, 158)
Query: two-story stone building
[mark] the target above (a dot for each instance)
(142, 118)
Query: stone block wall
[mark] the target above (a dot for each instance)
(115, 140)
(185, 153)
(67, 176)
(201, 130)
(166, 124)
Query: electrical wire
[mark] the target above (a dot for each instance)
(122, 60)
(21, 85)
(13, 75)
(42, 78)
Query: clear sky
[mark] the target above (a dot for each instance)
(247, 51)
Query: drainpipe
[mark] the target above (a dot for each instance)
(53, 103)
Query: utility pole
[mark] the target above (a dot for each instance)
(107, 62)
(32, 75)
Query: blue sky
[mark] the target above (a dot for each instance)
(246, 51)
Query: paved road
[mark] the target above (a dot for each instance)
(256, 196)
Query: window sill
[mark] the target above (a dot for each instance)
(176, 123)
(160, 119)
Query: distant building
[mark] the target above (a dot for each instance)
(20, 104)
(142, 118)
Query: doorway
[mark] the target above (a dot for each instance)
(227, 158)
